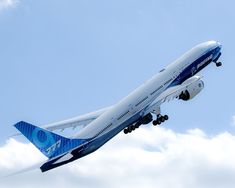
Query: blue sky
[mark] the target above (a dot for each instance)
(60, 58)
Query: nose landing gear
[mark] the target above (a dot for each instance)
(218, 64)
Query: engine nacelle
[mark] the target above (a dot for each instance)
(194, 85)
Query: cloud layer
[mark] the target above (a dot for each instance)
(8, 4)
(149, 157)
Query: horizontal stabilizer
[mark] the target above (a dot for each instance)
(49, 143)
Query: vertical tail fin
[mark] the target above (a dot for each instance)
(49, 143)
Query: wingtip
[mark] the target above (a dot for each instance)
(20, 123)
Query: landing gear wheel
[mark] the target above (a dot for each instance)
(155, 122)
(132, 127)
(162, 119)
(218, 64)
(125, 131)
(159, 122)
(137, 126)
(166, 117)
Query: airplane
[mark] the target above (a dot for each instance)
(142, 106)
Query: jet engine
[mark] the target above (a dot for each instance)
(194, 85)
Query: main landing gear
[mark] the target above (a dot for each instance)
(145, 120)
(160, 119)
(132, 128)
(142, 121)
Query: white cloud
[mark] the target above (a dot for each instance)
(150, 157)
(8, 4)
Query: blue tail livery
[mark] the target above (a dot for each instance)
(49, 143)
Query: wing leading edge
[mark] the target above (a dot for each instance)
(170, 94)
(79, 121)
(82, 120)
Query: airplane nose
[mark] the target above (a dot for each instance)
(219, 45)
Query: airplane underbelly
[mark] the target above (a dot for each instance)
(107, 135)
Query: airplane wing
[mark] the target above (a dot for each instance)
(82, 120)
(168, 95)
(79, 121)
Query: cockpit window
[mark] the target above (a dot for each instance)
(162, 70)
